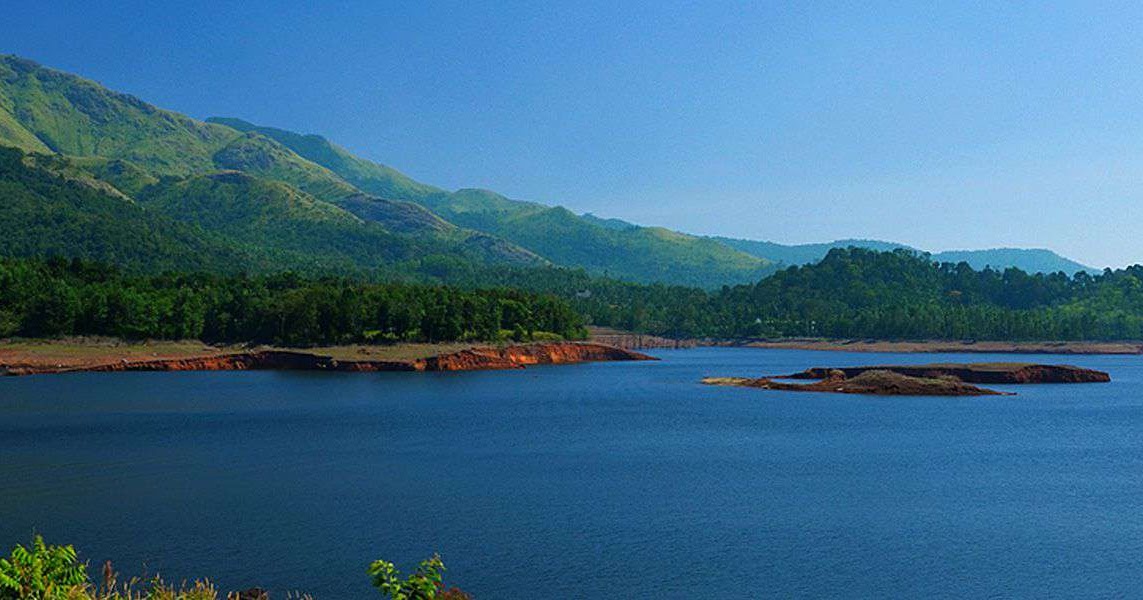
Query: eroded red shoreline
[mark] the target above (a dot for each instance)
(471, 359)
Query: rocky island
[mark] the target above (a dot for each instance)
(947, 379)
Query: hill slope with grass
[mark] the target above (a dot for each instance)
(50, 209)
(636, 253)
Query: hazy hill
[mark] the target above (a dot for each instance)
(642, 254)
(1032, 260)
(599, 245)
(1029, 260)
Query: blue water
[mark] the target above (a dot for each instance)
(604, 480)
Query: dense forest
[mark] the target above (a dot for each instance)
(859, 293)
(852, 293)
(57, 297)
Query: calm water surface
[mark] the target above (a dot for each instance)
(603, 480)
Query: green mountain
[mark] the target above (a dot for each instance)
(50, 208)
(367, 176)
(644, 254)
(135, 150)
(272, 215)
(1028, 260)
(304, 200)
(801, 254)
(641, 254)
(43, 110)
(258, 155)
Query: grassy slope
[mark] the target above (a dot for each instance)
(253, 153)
(258, 155)
(643, 254)
(273, 215)
(368, 176)
(636, 253)
(74, 116)
(50, 211)
(132, 145)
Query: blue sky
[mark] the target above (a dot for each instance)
(946, 126)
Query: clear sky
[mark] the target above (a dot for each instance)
(947, 126)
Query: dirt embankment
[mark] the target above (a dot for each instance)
(476, 358)
(636, 341)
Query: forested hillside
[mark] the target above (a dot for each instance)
(140, 151)
(642, 254)
(859, 293)
(60, 297)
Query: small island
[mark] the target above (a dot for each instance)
(945, 379)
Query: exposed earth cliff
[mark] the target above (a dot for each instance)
(468, 359)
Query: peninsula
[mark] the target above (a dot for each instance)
(47, 358)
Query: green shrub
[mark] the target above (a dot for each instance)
(41, 572)
(426, 583)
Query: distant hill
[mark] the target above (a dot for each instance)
(279, 199)
(801, 254)
(1029, 260)
(641, 254)
(602, 246)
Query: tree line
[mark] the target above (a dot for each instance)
(860, 293)
(851, 293)
(58, 297)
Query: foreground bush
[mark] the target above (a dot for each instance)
(44, 572)
(426, 583)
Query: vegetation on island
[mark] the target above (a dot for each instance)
(49, 572)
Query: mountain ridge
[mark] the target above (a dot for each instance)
(1031, 260)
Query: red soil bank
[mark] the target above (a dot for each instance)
(478, 358)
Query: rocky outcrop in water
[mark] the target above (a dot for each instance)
(879, 383)
(919, 380)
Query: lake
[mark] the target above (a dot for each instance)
(601, 480)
